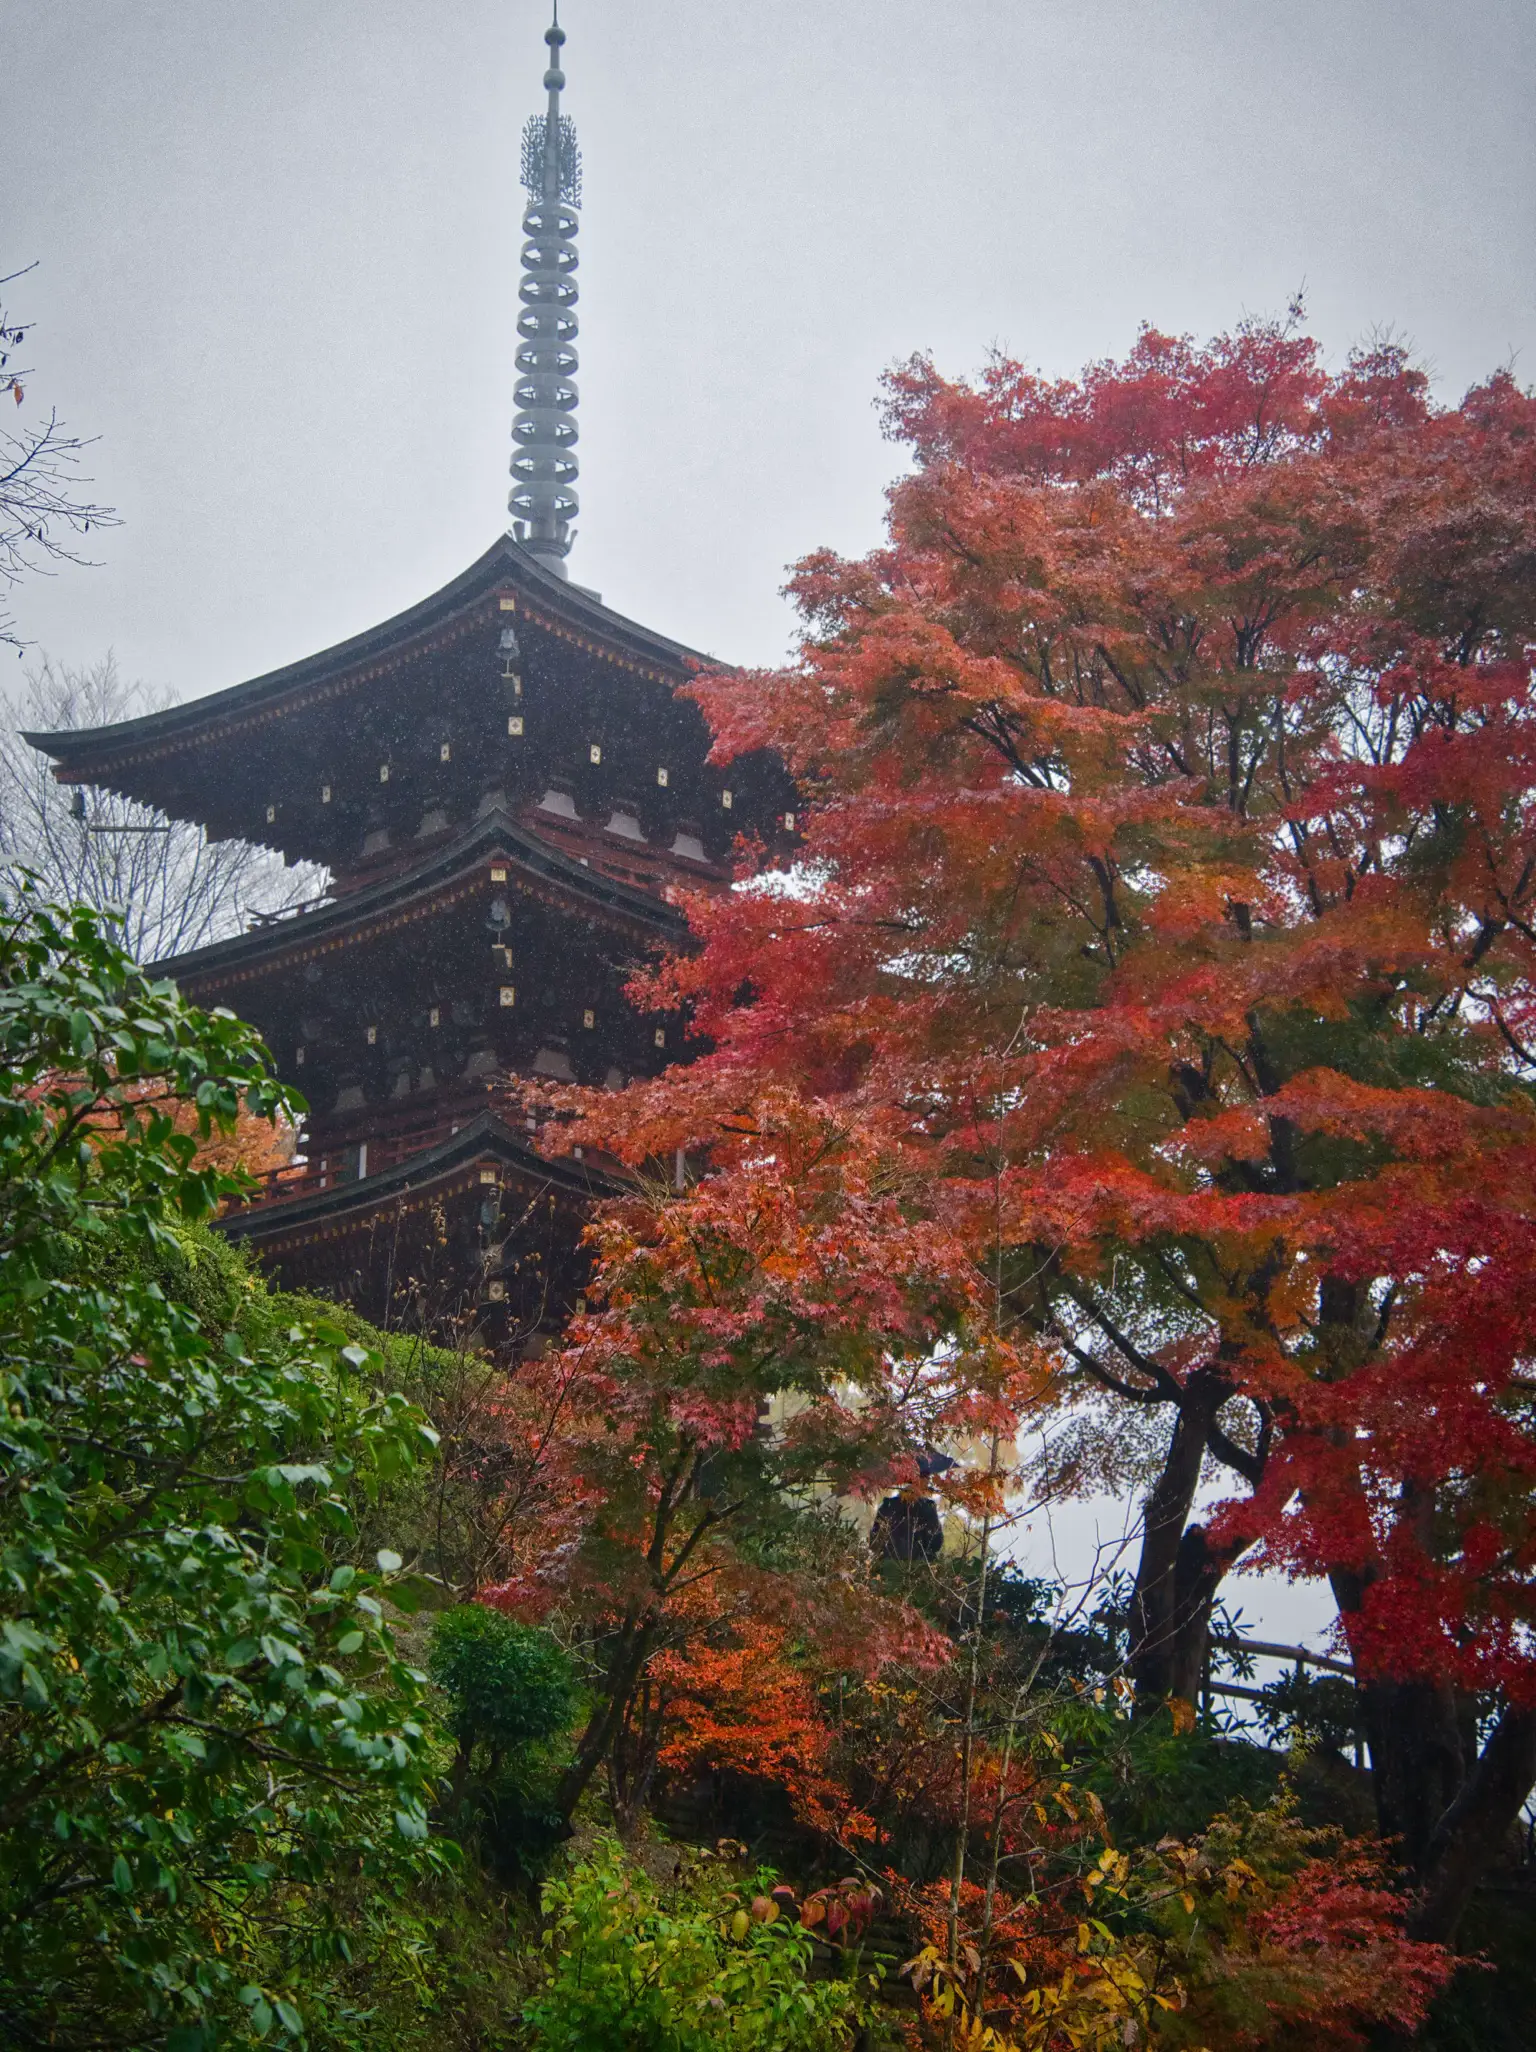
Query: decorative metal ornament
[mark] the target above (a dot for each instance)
(510, 656)
(543, 502)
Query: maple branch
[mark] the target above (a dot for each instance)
(990, 725)
(1133, 691)
(1167, 1386)
(1516, 1046)
(707, 1522)
(1477, 1822)
(1249, 1465)
(1130, 1390)
(1186, 1289)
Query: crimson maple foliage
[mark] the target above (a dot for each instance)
(756, 1292)
(1157, 971)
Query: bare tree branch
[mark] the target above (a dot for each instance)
(42, 515)
(172, 888)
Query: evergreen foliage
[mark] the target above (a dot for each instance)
(203, 1717)
(509, 1685)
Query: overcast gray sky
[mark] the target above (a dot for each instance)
(278, 263)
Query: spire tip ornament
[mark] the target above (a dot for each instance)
(543, 502)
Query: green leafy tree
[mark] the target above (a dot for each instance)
(204, 1724)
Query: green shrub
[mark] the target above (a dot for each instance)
(509, 1684)
(510, 1691)
(625, 1972)
(1318, 1709)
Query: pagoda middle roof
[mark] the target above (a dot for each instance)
(564, 609)
(484, 1138)
(406, 892)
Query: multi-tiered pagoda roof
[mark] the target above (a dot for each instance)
(507, 791)
(506, 788)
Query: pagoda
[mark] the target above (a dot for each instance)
(505, 788)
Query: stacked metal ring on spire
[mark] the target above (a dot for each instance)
(543, 502)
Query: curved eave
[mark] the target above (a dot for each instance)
(505, 566)
(588, 891)
(485, 1140)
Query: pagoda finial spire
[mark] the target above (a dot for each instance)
(543, 502)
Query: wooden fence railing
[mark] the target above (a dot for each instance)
(1300, 1657)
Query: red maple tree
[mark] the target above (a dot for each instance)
(1160, 951)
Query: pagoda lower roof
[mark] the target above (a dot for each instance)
(415, 890)
(485, 1141)
(90, 754)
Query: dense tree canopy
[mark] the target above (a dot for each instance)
(1159, 963)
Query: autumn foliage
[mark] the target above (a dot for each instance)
(1142, 1035)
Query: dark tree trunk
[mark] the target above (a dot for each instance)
(1448, 1810)
(1418, 1761)
(636, 1639)
(1443, 1809)
(625, 1668)
(1197, 1575)
(1179, 1572)
(1476, 1826)
(632, 1757)
(458, 1775)
(1418, 1764)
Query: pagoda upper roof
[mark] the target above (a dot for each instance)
(506, 680)
(93, 754)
